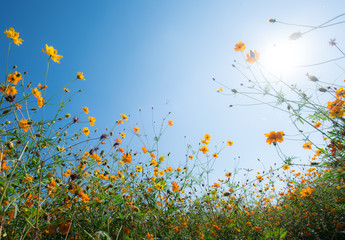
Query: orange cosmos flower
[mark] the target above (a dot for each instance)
(175, 187)
(340, 93)
(252, 56)
(66, 90)
(170, 123)
(230, 143)
(24, 125)
(307, 145)
(127, 158)
(215, 155)
(306, 192)
(239, 47)
(274, 137)
(317, 125)
(15, 77)
(336, 108)
(40, 101)
(144, 149)
(123, 135)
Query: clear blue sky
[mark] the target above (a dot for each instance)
(139, 54)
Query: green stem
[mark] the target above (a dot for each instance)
(8, 54)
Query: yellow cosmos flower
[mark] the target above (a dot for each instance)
(123, 135)
(159, 186)
(36, 92)
(207, 137)
(215, 155)
(86, 110)
(52, 53)
(24, 125)
(80, 76)
(10, 33)
(153, 163)
(136, 129)
(161, 159)
(11, 90)
(86, 131)
(66, 90)
(220, 89)
(42, 87)
(230, 143)
(124, 117)
(92, 120)
(240, 47)
(139, 168)
(286, 167)
(40, 102)
(67, 173)
(204, 149)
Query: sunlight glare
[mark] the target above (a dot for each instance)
(282, 56)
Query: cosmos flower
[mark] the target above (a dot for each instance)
(204, 149)
(240, 47)
(80, 76)
(307, 145)
(86, 110)
(24, 125)
(252, 56)
(92, 120)
(52, 53)
(86, 131)
(274, 137)
(175, 187)
(15, 77)
(124, 117)
(10, 33)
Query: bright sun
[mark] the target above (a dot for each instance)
(282, 56)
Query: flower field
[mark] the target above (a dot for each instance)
(62, 179)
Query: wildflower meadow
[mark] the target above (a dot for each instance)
(61, 178)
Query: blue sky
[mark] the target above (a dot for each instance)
(139, 54)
